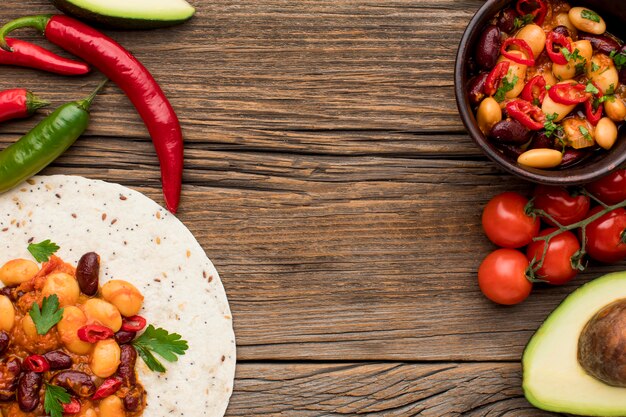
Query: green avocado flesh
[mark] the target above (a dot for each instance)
(553, 378)
(129, 14)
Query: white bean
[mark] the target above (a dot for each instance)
(606, 133)
(488, 114)
(587, 20)
(540, 158)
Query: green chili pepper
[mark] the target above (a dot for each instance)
(45, 142)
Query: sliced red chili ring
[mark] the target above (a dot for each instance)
(94, 333)
(73, 407)
(535, 90)
(592, 115)
(527, 114)
(560, 41)
(108, 387)
(568, 93)
(133, 324)
(537, 8)
(495, 76)
(36, 363)
(524, 46)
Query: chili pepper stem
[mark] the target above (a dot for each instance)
(34, 103)
(37, 22)
(86, 103)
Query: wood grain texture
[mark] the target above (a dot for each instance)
(380, 389)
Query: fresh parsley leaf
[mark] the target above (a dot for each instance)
(43, 250)
(572, 56)
(583, 130)
(591, 88)
(48, 316)
(164, 344)
(505, 88)
(551, 128)
(54, 397)
(619, 59)
(608, 97)
(594, 67)
(590, 15)
(523, 21)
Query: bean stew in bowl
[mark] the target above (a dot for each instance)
(541, 87)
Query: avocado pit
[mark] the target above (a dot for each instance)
(602, 345)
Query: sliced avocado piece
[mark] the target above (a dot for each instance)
(554, 379)
(128, 14)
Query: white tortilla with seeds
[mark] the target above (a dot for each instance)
(141, 242)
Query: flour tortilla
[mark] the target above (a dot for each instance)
(138, 241)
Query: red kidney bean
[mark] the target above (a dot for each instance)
(133, 399)
(28, 391)
(11, 293)
(78, 382)
(601, 43)
(124, 337)
(126, 370)
(510, 151)
(88, 272)
(4, 342)
(488, 47)
(58, 360)
(475, 88)
(510, 131)
(10, 371)
(562, 30)
(541, 140)
(573, 156)
(506, 20)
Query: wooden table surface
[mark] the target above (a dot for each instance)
(329, 178)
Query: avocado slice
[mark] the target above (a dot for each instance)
(128, 14)
(554, 380)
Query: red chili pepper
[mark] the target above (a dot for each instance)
(523, 45)
(93, 333)
(560, 41)
(28, 55)
(530, 116)
(592, 115)
(131, 76)
(133, 324)
(568, 93)
(537, 8)
(495, 76)
(36, 363)
(108, 387)
(535, 90)
(18, 104)
(73, 407)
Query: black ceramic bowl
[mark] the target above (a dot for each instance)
(600, 164)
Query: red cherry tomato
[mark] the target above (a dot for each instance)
(557, 265)
(605, 236)
(561, 205)
(506, 224)
(610, 189)
(502, 277)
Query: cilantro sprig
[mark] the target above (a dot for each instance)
(590, 15)
(585, 132)
(572, 56)
(505, 88)
(551, 128)
(159, 341)
(42, 251)
(619, 59)
(49, 314)
(54, 398)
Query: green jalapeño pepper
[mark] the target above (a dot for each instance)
(45, 142)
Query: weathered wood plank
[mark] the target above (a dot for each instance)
(332, 76)
(390, 390)
(334, 258)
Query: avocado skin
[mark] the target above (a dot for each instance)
(112, 21)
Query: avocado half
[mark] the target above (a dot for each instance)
(128, 14)
(553, 378)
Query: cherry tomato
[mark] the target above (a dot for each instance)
(506, 224)
(605, 240)
(502, 277)
(610, 189)
(557, 265)
(561, 205)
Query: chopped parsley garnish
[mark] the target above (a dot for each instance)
(610, 90)
(580, 68)
(594, 67)
(48, 316)
(590, 15)
(552, 128)
(619, 59)
(43, 250)
(591, 89)
(505, 88)
(572, 56)
(162, 343)
(608, 97)
(54, 398)
(583, 130)
(523, 21)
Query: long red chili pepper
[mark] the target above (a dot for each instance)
(524, 46)
(131, 76)
(568, 94)
(18, 104)
(527, 114)
(593, 107)
(535, 90)
(495, 77)
(537, 8)
(556, 39)
(28, 55)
